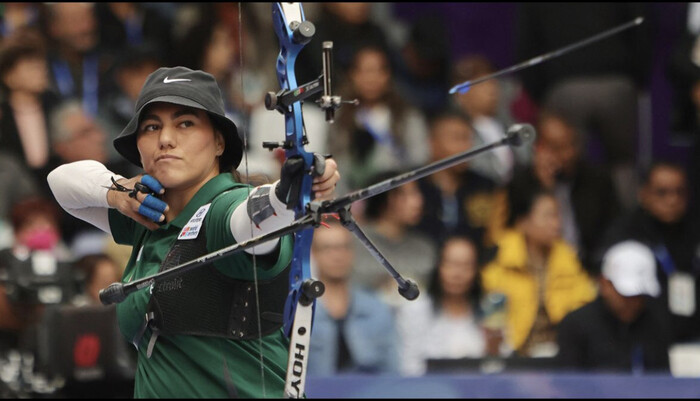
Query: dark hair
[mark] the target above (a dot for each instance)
(88, 263)
(139, 55)
(378, 203)
(470, 67)
(549, 114)
(645, 173)
(397, 105)
(521, 200)
(24, 44)
(435, 289)
(448, 114)
(24, 209)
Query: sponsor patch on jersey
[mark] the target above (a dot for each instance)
(191, 229)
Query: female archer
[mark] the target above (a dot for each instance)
(205, 333)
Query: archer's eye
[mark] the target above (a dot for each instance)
(148, 127)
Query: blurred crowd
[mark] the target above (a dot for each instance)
(569, 249)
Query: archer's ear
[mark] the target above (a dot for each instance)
(220, 142)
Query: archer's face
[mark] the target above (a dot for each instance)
(178, 145)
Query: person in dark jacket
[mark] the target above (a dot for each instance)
(625, 329)
(661, 221)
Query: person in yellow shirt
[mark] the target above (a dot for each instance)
(539, 274)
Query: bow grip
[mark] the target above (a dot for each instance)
(112, 294)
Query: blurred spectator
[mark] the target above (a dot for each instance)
(120, 254)
(26, 101)
(349, 26)
(211, 45)
(596, 87)
(353, 330)
(539, 274)
(128, 24)
(253, 59)
(423, 69)
(79, 67)
(35, 224)
(130, 73)
(444, 322)
(484, 105)
(661, 222)
(458, 199)
(17, 16)
(16, 183)
(585, 193)
(78, 136)
(384, 132)
(624, 329)
(683, 72)
(391, 220)
(99, 271)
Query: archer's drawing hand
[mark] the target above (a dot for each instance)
(139, 202)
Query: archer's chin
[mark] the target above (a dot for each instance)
(167, 177)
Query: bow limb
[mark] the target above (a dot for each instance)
(293, 33)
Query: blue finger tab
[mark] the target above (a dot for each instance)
(152, 183)
(149, 213)
(154, 203)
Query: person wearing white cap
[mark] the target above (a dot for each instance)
(625, 328)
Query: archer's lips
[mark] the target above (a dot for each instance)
(166, 157)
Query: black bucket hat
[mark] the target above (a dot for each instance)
(186, 87)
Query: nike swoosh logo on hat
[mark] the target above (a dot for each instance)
(167, 81)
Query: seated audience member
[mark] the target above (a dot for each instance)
(538, 273)
(625, 328)
(457, 199)
(77, 136)
(585, 193)
(36, 228)
(444, 322)
(99, 271)
(391, 220)
(661, 221)
(384, 132)
(353, 330)
(422, 70)
(16, 16)
(79, 67)
(483, 104)
(350, 26)
(129, 74)
(597, 88)
(125, 24)
(16, 183)
(26, 101)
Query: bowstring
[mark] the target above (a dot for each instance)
(245, 155)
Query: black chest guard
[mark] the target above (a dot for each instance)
(206, 302)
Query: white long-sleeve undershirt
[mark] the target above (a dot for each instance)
(81, 189)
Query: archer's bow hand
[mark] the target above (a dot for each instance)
(324, 170)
